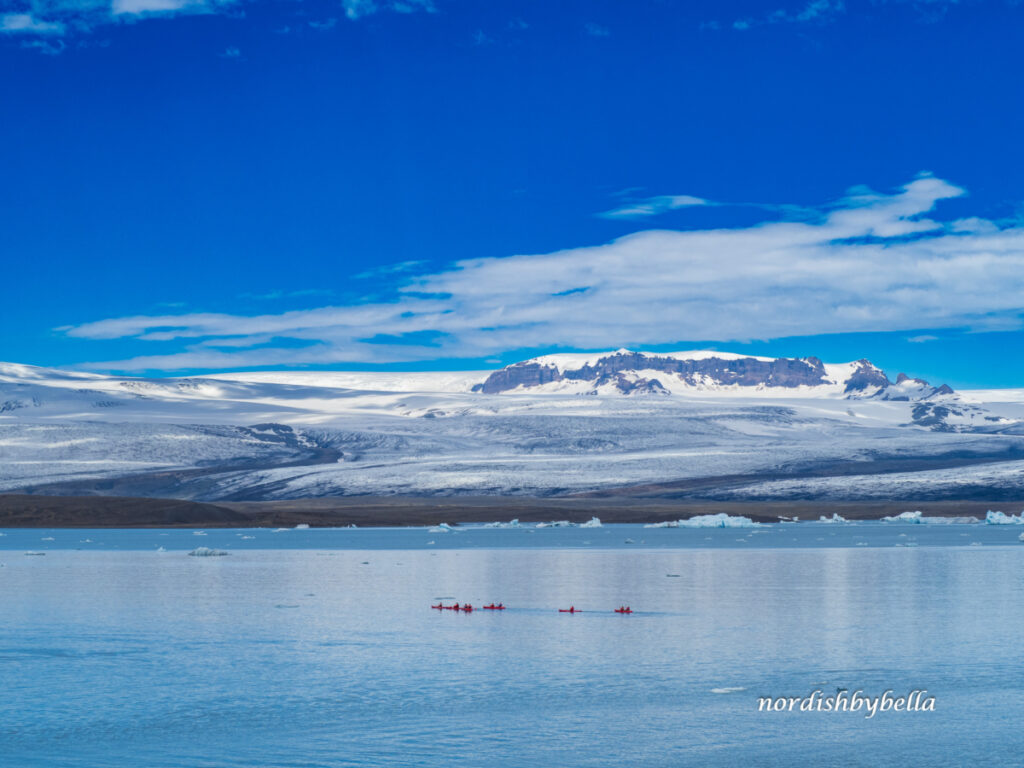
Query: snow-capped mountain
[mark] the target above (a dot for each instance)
(628, 372)
(716, 426)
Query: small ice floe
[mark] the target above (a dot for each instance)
(429, 543)
(207, 552)
(593, 522)
(198, 533)
(48, 538)
(720, 520)
(729, 689)
(1021, 537)
(160, 549)
(34, 554)
(836, 518)
(919, 519)
(975, 543)
(440, 528)
(999, 518)
(302, 527)
(280, 530)
(85, 541)
(861, 544)
(513, 523)
(248, 538)
(629, 541)
(555, 524)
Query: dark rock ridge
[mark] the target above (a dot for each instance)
(621, 372)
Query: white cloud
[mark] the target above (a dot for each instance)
(923, 338)
(26, 23)
(66, 17)
(652, 206)
(596, 30)
(814, 11)
(356, 9)
(870, 262)
(138, 7)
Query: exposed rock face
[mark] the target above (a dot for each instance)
(629, 372)
(747, 372)
(864, 376)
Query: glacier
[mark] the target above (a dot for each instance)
(287, 435)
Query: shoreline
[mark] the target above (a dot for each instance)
(31, 511)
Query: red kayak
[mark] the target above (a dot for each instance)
(570, 609)
(493, 607)
(438, 607)
(624, 609)
(467, 608)
(452, 607)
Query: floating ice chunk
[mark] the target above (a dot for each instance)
(248, 537)
(721, 520)
(555, 524)
(160, 549)
(513, 523)
(440, 528)
(998, 518)
(729, 689)
(280, 530)
(1021, 537)
(302, 527)
(198, 533)
(919, 519)
(836, 518)
(206, 552)
(591, 523)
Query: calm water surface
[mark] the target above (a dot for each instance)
(319, 648)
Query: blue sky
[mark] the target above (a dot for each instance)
(195, 186)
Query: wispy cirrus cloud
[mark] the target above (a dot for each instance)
(815, 11)
(652, 206)
(868, 262)
(27, 24)
(37, 20)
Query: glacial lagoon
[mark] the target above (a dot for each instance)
(320, 647)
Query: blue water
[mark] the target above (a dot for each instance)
(319, 648)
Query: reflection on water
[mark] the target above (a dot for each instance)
(302, 657)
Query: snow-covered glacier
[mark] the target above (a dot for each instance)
(723, 428)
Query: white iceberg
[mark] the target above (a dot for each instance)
(555, 524)
(302, 527)
(919, 519)
(1021, 537)
(998, 518)
(720, 520)
(591, 523)
(836, 518)
(513, 523)
(440, 528)
(207, 552)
